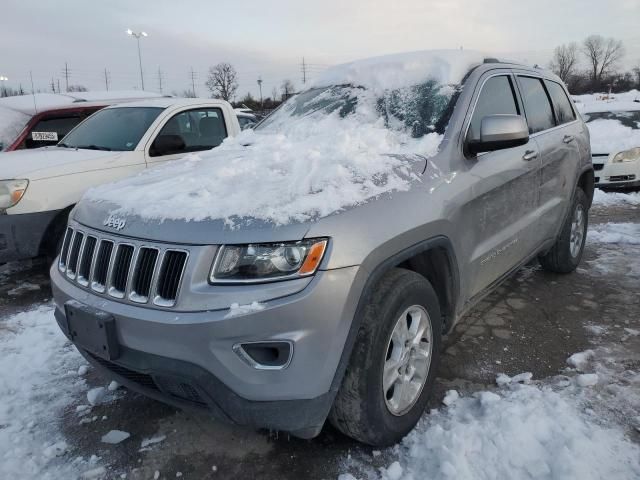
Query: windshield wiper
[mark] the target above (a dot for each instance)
(63, 145)
(93, 147)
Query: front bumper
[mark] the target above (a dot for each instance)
(21, 235)
(164, 352)
(616, 175)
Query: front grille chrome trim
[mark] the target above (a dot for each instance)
(102, 250)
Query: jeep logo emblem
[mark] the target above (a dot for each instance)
(114, 222)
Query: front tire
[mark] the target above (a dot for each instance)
(393, 365)
(566, 253)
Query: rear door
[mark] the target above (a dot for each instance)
(552, 122)
(499, 219)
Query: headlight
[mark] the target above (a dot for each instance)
(262, 262)
(627, 156)
(11, 191)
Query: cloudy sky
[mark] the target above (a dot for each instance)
(269, 38)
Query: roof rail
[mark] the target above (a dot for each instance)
(491, 60)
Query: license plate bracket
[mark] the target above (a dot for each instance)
(92, 329)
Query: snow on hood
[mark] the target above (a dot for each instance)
(609, 135)
(327, 149)
(404, 69)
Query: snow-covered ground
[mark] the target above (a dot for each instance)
(578, 423)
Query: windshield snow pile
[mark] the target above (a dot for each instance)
(327, 149)
(11, 124)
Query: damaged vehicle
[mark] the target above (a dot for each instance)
(308, 269)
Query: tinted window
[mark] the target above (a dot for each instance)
(194, 130)
(536, 105)
(561, 102)
(118, 129)
(246, 122)
(495, 98)
(50, 130)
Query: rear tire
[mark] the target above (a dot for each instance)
(565, 255)
(363, 408)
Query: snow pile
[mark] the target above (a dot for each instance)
(620, 233)
(523, 432)
(609, 199)
(610, 135)
(34, 389)
(403, 70)
(606, 102)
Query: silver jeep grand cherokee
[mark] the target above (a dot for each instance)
(336, 316)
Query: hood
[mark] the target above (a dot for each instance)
(39, 163)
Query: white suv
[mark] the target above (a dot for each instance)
(39, 187)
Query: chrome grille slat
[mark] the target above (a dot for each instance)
(131, 271)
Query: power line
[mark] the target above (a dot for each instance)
(66, 74)
(160, 75)
(106, 79)
(193, 81)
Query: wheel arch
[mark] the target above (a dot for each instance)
(55, 227)
(430, 258)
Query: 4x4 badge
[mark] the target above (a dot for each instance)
(114, 222)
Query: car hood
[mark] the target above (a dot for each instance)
(47, 162)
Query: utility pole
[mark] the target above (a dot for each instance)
(160, 79)
(106, 79)
(193, 81)
(58, 86)
(138, 36)
(53, 86)
(66, 76)
(260, 86)
(304, 71)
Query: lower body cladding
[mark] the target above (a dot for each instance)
(612, 176)
(273, 368)
(22, 235)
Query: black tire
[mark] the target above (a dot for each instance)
(359, 410)
(55, 237)
(560, 259)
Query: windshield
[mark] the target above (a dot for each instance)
(416, 110)
(119, 129)
(629, 119)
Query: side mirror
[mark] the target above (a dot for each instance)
(167, 145)
(500, 131)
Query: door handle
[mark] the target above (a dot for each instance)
(568, 139)
(530, 155)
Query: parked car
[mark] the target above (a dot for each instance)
(39, 187)
(43, 119)
(309, 269)
(615, 143)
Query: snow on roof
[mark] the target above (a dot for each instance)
(165, 102)
(26, 103)
(404, 69)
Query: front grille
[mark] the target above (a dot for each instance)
(139, 273)
(170, 276)
(141, 379)
(622, 178)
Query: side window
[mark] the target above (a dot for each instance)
(190, 131)
(536, 104)
(495, 98)
(562, 104)
(50, 130)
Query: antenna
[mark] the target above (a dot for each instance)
(33, 93)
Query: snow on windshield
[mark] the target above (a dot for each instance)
(11, 124)
(325, 150)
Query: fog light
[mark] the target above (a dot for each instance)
(272, 355)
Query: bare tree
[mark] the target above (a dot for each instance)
(288, 89)
(565, 61)
(274, 94)
(77, 88)
(222, 81)
(603, 54)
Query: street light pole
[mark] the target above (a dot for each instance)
(260, 85)
(137, 36)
